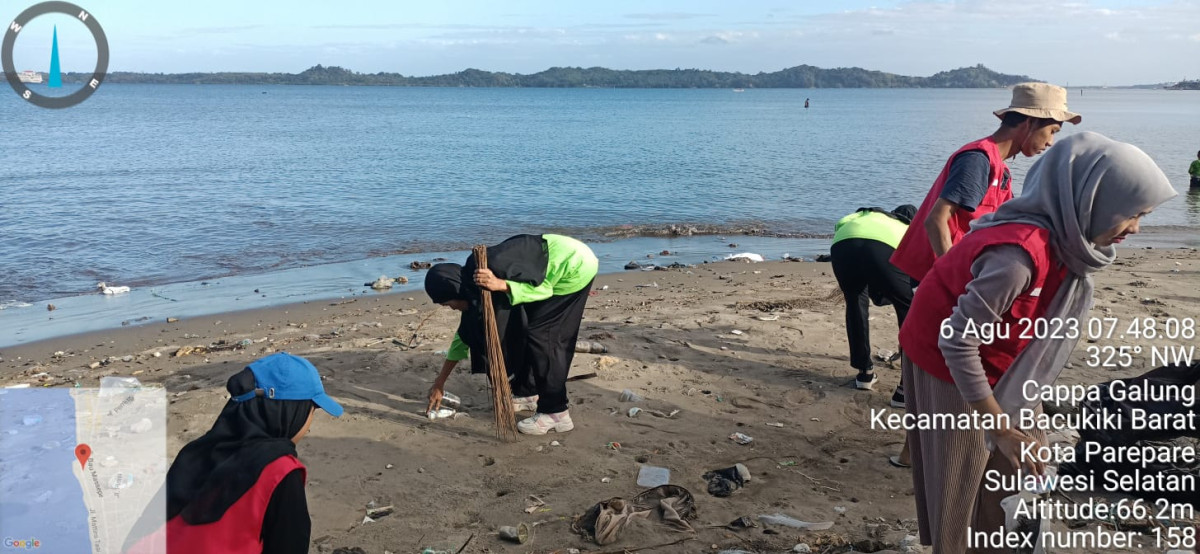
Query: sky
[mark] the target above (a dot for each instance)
(1077, 42)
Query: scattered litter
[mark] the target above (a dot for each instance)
(787, 463)
(775, 424)
(632, 265)
(606, 480)
(742, 523)
(605, 287)
(518, 534)
(741, 438)
(736, 332)
(377, 513)
(555, 443)
(389, 466)
(653, 476)
(668, 505)
(589, 347)
(114, 386)
(770, 317)
(657, 413)
(18, 386)
(745, 257)
(172, 320)
(840, 509)
(189, 350)
(634, 411)
(367, 519)
(780, 519)
(629, 396)
(653, 285)
(533, 504)
(420, 265)
(451, 399)
(158, 354)
(803, 548)
(105, 289)
(723, 482)
(382, 283)
(440, 413)
(814, 419)
(613, 446)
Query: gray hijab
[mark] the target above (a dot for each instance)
(1083, 186)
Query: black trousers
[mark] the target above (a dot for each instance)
(552, 328)
(865, 274)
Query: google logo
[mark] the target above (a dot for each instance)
(27, 544)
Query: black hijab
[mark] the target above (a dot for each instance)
(215, 470)
(443, 283)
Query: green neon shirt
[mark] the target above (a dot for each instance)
(870, 225)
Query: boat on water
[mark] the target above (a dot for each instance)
(739, 90)
(30, 77)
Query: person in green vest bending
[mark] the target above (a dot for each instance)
(862, 244)
(545, 281)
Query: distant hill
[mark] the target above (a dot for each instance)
(803, 76)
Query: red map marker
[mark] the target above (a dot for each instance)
(83, 452)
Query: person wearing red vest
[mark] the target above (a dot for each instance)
(240, 487)
(975, 181)
(1031, 259)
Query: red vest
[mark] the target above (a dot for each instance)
(914, 255)
(938, 295)
(239, 531)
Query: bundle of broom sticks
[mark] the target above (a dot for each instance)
(506, 420)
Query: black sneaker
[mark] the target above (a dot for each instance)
(865, 380)
(898, 397)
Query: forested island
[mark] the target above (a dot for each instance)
(803, 76)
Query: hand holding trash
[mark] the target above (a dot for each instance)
(435, 396)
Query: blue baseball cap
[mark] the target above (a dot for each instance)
(282, 376)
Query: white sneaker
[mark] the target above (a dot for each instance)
(865, 381)
(525, 403)
(540, 423)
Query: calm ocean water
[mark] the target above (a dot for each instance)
(146, 185)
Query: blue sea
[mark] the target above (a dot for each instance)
(306, 192)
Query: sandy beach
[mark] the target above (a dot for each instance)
(729, 347)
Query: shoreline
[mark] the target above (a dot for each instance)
(782, 378)
(30, 322)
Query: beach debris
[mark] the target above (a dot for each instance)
(94, 365)
(803, 548)
(613, 446)
(634, 411)
(737, 332)
(741, 438)
(172, 320)
(605, 287)
(555, 443)
(723, 482)
(742, 523)
(606, 479)
(774, 424)
(840, 510)
(653, 476)
(51, 307)
(440, 413)
(590, 347)
(787, 521)
(824, 258)
(377, 512)
(420, 265)
(389, 466)
(663, 415)
(105, 289)
(382, 283)
(769, 317)
(748, 257)
(632, 265)
(668, 505)
(533, 504)
(518, 534)
(189, 350)
(629, 396)
(653, 285)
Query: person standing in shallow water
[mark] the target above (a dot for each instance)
(1194, 172)
(545, 281)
